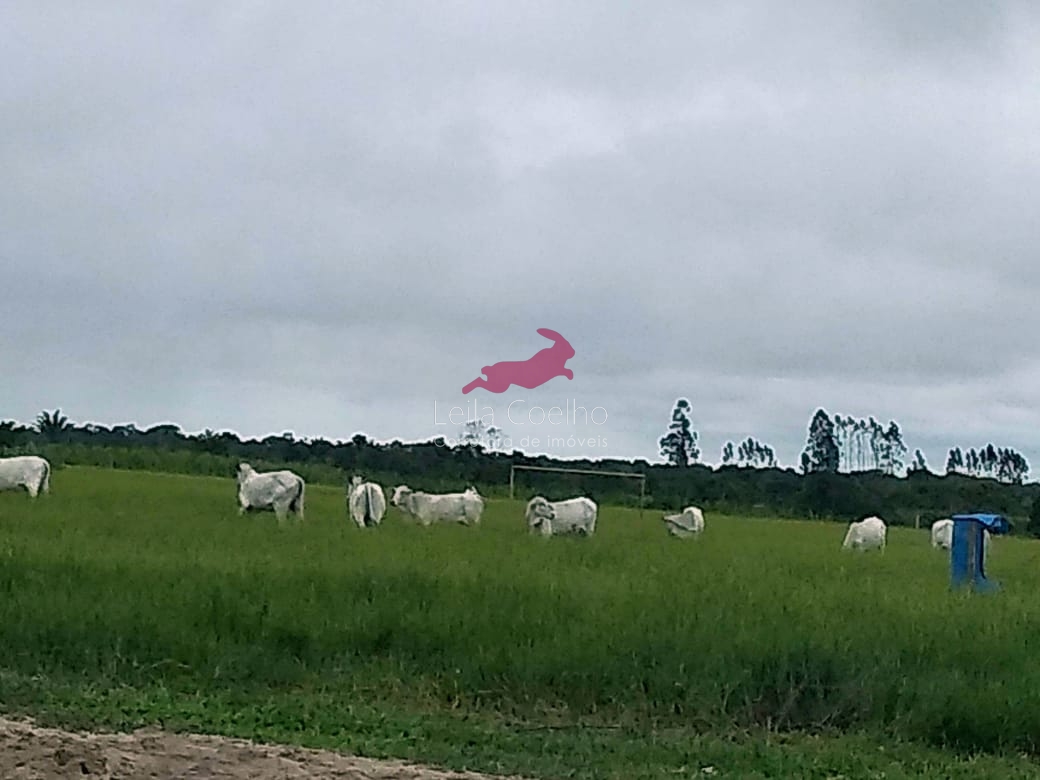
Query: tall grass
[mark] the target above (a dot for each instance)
(142, 580)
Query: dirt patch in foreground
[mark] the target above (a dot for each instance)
(29, 752)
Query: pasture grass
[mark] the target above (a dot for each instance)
(761, 649)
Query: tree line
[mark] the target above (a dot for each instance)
(844, 444)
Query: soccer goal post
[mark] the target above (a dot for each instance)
(590, 472)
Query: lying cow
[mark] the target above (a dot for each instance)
(366, 503)
(427, 508)
(690, 522)
(281, 491)
(575, 515)
(25, 471)
(866, 534)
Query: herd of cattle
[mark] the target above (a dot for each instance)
(283, 493)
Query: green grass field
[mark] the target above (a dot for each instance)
(761, 649)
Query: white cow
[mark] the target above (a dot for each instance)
(427, 508)
(282, 491)
(867, 533)
(366, 502)
(29, 471)
(942, 536)
(575, 515)
(689, 523)
(942, 533)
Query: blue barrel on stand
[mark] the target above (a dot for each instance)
(967, 550)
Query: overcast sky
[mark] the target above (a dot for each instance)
(326, 218)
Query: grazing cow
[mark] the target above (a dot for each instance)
(29, 471)
(575, 515)
(942, 533)
(282, 491)
(689, 523)
(427, 508)
(867, 533)
(366, 502)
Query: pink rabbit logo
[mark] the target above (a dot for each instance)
(531, 373)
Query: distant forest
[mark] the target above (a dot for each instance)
(849, 468)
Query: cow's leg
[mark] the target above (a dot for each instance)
(281, 509)
(33, 492)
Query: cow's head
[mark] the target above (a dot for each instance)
(355, 481)
(538, 510)
(401, 492)
(244, 472)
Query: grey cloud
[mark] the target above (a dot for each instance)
(326, 221)
(962, 31)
